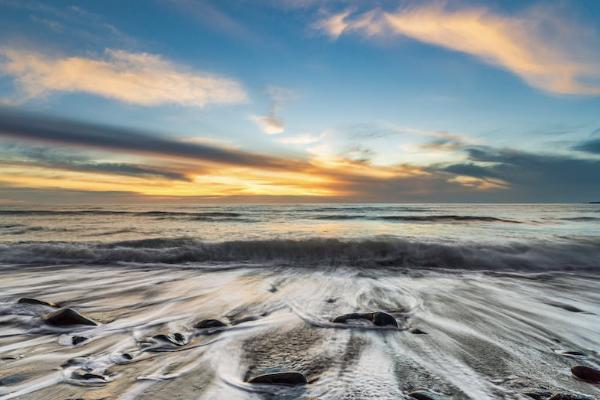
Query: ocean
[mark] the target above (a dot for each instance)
(491, 301)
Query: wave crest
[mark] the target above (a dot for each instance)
(391, 253)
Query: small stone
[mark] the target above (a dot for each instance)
(209, 323)
(27, 300)
(280, 378)
(569, 396)
(417, 331)
(177, 339)
(538, 394)
(588, 374)
(78, 339)
(573, 354)
(87, 376)
(127, 356)
(67, 317)
(342, 319)
(384, 319)
(425, 395)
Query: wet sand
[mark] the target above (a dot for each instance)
(486, 335)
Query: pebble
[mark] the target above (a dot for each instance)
(209, 323)
(291, 378)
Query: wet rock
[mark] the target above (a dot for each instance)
(127, 356)
(86, 376)
(573, 354)
(538, 394)
(384, 319)
(291, 378)
(177, 339)
(342, 319)
(417, 331)
(78, 339)
(67, 317)
(330, 300)
(28, 300)
(588, 374)
(209, 323)
(569, 396)
(426, 395)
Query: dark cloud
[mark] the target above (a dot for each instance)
(533, 177)
(50, 158)
(38, 128)
(589, 146)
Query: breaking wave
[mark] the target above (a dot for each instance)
(388, 253)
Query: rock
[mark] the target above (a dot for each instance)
(588, 374)
(342, 319)
(538, 394)
(417, 331)
(78, 339)
(291, 378)
(425, 395)
(573, 354)
(67, 317)
(27, 300)
(209, 323)
(82, 375)
(177, 339)
(569, 396)
(384, 319)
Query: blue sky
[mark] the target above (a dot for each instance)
(369, 101)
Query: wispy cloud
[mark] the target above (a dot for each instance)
(139, 78)
(542, 48)
(271, 123)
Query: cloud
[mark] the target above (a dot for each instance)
(543, 49)
(272, 124)
(589, 146)
(32, 127)
(532, 177)
(138, 78)
(37, 156)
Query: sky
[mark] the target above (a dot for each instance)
(244, 101)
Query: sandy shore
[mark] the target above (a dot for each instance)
(485, 336)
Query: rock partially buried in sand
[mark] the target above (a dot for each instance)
(569, 396)
(588, 374)
(417, 331)
(291, 378)
(425, 395)
(384, 319)
(377, 318)
(67, 317)
(209, 323)
(28, 300)
(78, 339)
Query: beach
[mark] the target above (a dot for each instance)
(486, 301)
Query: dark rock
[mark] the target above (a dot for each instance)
(27, 300)
(78, 339)
(209, 323)
(83, 375)
(342, 319)
(67, 317)
(384, 319)
(538, 394)
(127, 356)
(331, 300)
(280, 378)
(417, 331)
(588, 374)
(569, 396)
(566, 307)
(425, 395)
(573, 354)
(177, 339)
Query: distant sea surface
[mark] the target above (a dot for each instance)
(485, 236)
